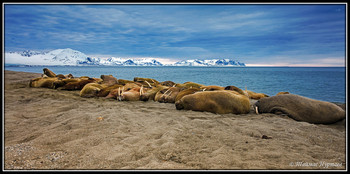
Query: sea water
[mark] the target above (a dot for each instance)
(320, 83)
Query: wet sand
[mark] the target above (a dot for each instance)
(49, 129)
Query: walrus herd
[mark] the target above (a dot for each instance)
(194, 96)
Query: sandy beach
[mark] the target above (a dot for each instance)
(49, 129)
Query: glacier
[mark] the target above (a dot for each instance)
(76, 58)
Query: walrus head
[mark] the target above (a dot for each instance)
(69, 76)
(179, 105)
(144, 97)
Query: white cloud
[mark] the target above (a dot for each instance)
(304, 61)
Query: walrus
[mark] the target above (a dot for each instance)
(281, 93)
(129, 86)
(106, 90)
(146, 81)
(301, 108)
(234, 88)
(221, 102)
(49, 73)
(61, 76)
(187, 85)
(78, 85)
(186, 92)
(116, 92)
(123, 82)
(168, 83)
(91, 90)
(151, 93)
(132, 94)
(161, 93)
(256, 96)
(108, 80)
(211, 88)
(61, 82)
(43, 82)
(169, 96)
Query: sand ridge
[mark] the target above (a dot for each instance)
(56, 129)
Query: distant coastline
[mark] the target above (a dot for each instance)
(247, 66)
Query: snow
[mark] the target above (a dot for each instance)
(55, 57)
(72, 57)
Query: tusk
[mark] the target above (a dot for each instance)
(204, 89)
(168, 94)
(141, 90)
(148, 84)
(165, 93)
(119, 91)
(256, 110)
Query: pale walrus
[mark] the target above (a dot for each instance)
(301, 108)
(221, 102)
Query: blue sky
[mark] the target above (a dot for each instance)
(256, 34)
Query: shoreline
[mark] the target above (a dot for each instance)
(48, 129)
(341, 104)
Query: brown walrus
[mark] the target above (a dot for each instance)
(43, 82)
(221, 102)
(187, 85)
(186, 92)
(108, 80)
(234, 88)
(91, 90)
(123, 82)
(150, 94)
(78, 85)
(146, 81)
(169, 95)
(168, 83)
(106, 90)
(301, 108)
(281, 93)
(61, 82)
(49, 73)
(256, 96)
(211, 88)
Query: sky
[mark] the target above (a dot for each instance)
(256, 34)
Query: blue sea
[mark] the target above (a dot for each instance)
(320, 83)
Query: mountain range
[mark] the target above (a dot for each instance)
(76, 58)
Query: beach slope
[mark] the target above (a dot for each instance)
(56, 129)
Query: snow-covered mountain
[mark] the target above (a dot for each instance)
(72, 57)
(211, 62)
(56, 57)
(113, 61)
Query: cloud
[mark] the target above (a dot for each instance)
(253, 33)
(300, 61)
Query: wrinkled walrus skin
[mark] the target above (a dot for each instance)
(301, 108)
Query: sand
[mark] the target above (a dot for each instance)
(49, 129)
